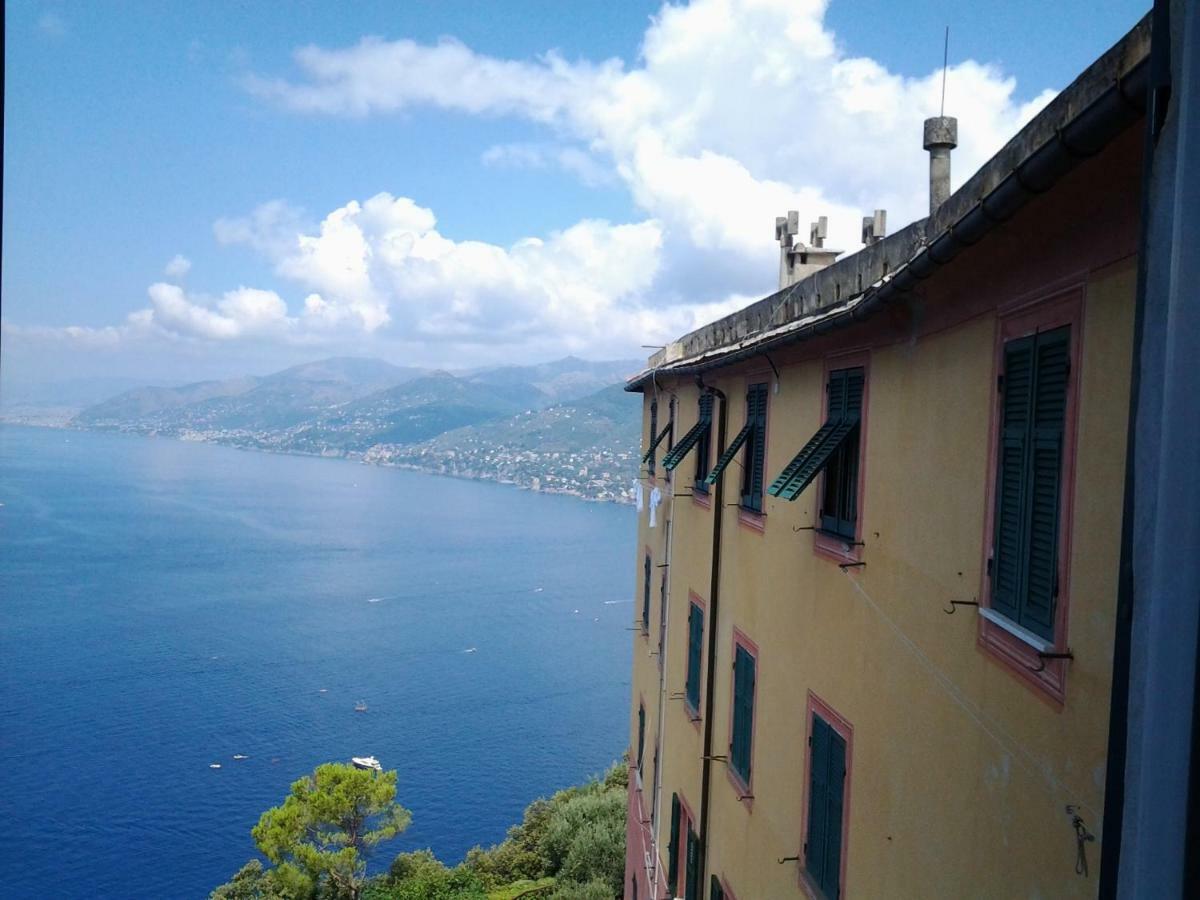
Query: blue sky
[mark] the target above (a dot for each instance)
(616, 193)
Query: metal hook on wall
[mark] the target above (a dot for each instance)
(1043, 656)
(954, 604)
(1082, 838)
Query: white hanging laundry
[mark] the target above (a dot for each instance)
(638, 494)
(655, 500)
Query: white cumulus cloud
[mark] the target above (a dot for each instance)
(734, 112)
(178, 267)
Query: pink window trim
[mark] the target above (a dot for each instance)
(694, 714)
(827, 545)
(817, 706)
(745, 790)
(1025, 317)
(729, 894)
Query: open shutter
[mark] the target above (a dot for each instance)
(730, 452)
(673, 846)
(1008, 562)
(815, 847)
(1049, 413)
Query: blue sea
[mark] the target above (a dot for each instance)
(167, 605)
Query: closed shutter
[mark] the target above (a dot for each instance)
(716, 890)
(818, 800)
(691, 884)
(743, 713)
(1029, 479)
(756, 447)
(673, 845)
(826, 799)
(1049, 414)
(649, 457)
(641, 736)
(1008, 564)
(695, 643)
(646, 595)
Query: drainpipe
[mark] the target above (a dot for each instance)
(714, 597)
(660, 736)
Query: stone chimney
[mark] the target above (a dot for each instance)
(941, 136)
(874, 227)
(798, 261)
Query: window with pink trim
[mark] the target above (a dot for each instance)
(827, 801)
(741, 728)
(1023, 617)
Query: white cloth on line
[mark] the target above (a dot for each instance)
(639, 496)
(655, 500)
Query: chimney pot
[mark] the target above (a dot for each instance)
(941, 136)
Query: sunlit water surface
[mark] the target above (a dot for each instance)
(165, 606)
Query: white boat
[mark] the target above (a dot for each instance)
(240, 756)
(366, 762)
(360, 706)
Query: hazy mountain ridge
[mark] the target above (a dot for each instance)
(545, 427)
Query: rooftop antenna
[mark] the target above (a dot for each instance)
(945, 60)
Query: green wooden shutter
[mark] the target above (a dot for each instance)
(837, 793)
(756, 447)
(815, 846)
(641, 744)
(1044, 482)
(743, 713)
(1029, 479)
(1008, 561)
(653, 433)
(695, 643)
(691, 883)
(716, 890)
(646, 595)
(673, 845)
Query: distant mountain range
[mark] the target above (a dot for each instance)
(563, 426)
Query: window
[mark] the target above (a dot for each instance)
(740, 748)
(716, 890)
(691, 879)
(648, 566)
(1024, 563)
(834, 450)
(826, 806)
(839, 506)
(662, 617)
(756, 448)
(685, 867)
(641, 744)
(673, 846)
(656, 436)
(694, 653)
(697, 437)
(704, 444)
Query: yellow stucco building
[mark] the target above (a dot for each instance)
(877, 603)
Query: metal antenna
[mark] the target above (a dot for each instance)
(945, 60)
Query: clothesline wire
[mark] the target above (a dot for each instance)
(1008, 743)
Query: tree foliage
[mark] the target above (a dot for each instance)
(330, 822)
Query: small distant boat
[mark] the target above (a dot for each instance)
(214, 765)
(240, 756)
(471, 650)
(366, 762)
(360, 706)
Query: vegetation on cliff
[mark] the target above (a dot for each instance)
(570, 846)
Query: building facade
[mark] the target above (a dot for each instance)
(876, 607)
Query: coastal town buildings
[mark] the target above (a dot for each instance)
(877, 603)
